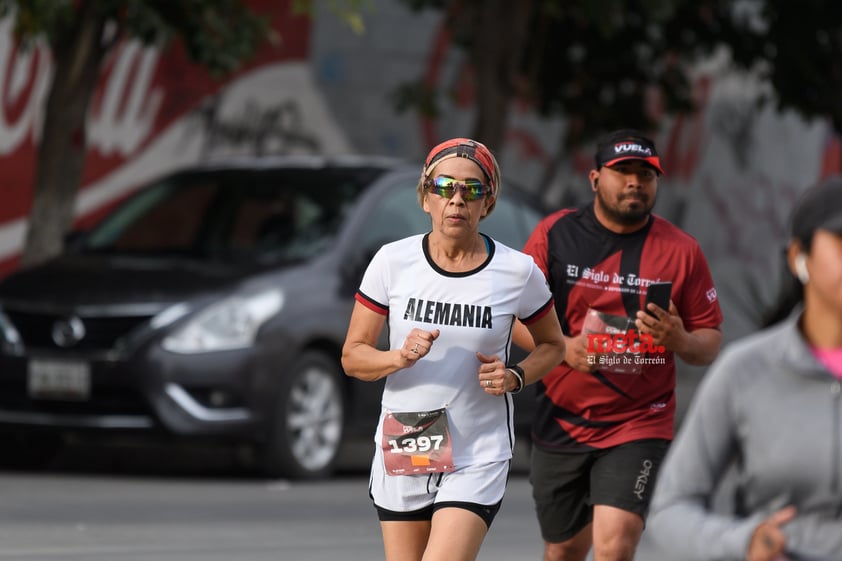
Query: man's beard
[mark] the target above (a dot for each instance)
(629, 217)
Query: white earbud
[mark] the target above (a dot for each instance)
(801, 268)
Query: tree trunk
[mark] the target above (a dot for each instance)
(61, 152)
(500, 43)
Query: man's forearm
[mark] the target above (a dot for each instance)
(700, 347)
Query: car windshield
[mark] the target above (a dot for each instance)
(261, 215)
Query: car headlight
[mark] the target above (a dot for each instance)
(226, 325)
(9, 336)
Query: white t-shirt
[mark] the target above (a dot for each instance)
(475, 311)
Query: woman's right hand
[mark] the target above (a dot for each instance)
(417, 345)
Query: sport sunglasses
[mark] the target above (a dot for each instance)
(470, 189)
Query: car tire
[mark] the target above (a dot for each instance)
(305, 437)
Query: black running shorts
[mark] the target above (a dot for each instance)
(565, 486)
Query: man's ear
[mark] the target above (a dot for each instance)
(594, 177)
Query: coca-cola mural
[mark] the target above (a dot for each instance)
(154, 111)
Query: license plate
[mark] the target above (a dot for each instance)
(61, 380)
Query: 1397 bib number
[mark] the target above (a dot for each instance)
(417, 442)
(410, 444)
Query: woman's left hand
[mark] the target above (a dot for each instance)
(493, 376)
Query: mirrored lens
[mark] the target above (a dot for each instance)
(471, 189)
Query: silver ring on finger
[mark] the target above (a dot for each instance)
(488, 383)
(415, 349)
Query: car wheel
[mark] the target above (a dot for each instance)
(306, 433)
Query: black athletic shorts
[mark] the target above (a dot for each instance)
(565, 486)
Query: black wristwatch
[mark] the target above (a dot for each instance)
(518, 372)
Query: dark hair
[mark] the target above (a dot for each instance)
(818, 207)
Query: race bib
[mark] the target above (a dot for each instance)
(417, 442)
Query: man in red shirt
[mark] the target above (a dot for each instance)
(605, 416)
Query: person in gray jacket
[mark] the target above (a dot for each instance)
(770, 408)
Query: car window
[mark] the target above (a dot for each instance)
(284, 214)
(181, 210)
(396, 216)
(511, 222)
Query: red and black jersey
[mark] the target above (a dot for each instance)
(588, 266)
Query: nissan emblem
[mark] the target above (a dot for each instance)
(68, 331)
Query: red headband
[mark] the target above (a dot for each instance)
(463, 148)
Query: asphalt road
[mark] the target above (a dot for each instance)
(194, 506)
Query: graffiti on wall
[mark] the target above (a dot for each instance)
(256, 130)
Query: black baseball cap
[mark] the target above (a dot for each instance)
(626, 144)
(818, 208)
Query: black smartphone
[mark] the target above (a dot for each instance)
(659, 294)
